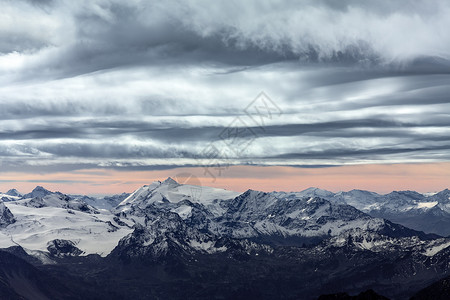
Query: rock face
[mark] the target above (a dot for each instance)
(63, 248)
(256, 214)
(6, 217)
(162, 236)
(165, 234)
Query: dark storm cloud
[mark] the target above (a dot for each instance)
(378, 153)
(143, 84)
(142, 130)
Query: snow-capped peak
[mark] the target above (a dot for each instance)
(442, 197)
(169, 180)
(14, 193)
(39, 192)
(316, 192)
(171, 191)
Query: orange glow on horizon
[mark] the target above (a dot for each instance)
(377, 178)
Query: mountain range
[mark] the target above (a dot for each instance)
(428, 212)
(169, 240)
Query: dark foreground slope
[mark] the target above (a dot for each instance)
(367, 295)
(437, 291)
(246, 270)
(21, 280)
(241, 272)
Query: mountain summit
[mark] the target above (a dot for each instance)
(170, 180)
(14, 193)
(38, 192)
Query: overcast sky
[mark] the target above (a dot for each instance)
(154, 85)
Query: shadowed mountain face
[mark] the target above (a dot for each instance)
(6, 217)
(172, 241)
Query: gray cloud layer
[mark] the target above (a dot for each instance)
(146, 84)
